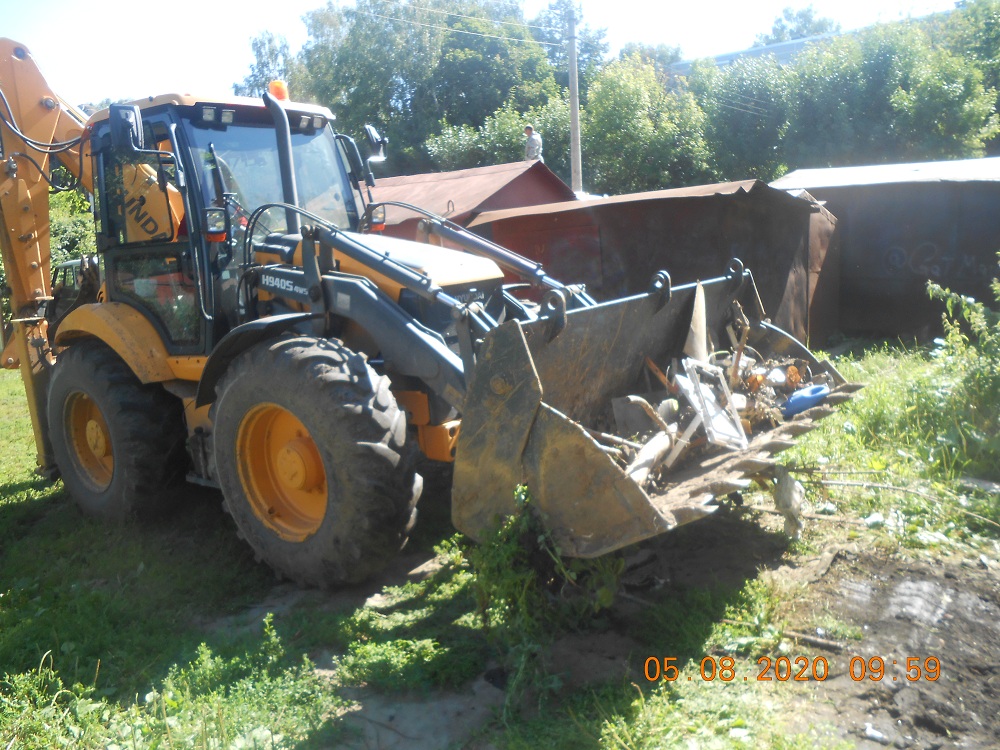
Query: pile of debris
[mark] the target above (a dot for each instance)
(714, 418)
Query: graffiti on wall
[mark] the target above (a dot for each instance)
(929, 260)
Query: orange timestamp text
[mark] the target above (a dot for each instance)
(795, 669)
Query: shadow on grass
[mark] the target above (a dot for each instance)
(416, 636)
(123, 608)
(115, 602)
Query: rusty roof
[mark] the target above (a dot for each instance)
(461, 192)
(959, 170)
(695, 191)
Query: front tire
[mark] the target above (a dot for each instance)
(311, 453)
(119, 444)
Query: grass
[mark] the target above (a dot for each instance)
(902, 435)
(153, 636)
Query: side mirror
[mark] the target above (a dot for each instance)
(374, 218)
(126, 129)
(216, 225)
(377, 144)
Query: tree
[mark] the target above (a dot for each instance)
(945, 113)
(406, 68)
(886, 95)
(638, 136)
(371, 63)
(501, 138)
(272, 61)
(797, 24)
(484, 64)
(661, 57)
(747, 106)
(550, 27)
(972, 31)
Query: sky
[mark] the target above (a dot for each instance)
(127, 50)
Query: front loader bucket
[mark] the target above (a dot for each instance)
(539, 390)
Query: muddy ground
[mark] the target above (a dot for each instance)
(949, 609)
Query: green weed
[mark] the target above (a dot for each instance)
(926, 419)
(527, 593)
(970, 353)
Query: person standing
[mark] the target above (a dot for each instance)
(533, 144)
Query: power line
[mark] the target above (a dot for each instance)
(727, 103)
(456, 31)
(739, 109)
(518, 24)
(751, 98)
(749, 107)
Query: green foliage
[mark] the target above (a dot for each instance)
(946, 112)
(797, 24)
(476, 75)
(693, 712)
(407, 68)
(71, 227)
(500, 139)
(417, 636)
(252, 700)
(639, 137)
(747, 105)
(660, 56)
(972, 31)
(526, 593)
(459, 147)
(452, 85)
(878, 96)
(373, 63)
(273, 60)
(71, 233)
(925, 420)
(550, 27)
(971, 356)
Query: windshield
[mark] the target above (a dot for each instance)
(241, 161)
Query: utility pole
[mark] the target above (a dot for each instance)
(575, 158)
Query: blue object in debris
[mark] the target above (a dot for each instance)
(804, 399)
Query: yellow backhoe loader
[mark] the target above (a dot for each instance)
(251, 330)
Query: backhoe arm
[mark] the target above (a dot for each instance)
(36, 126)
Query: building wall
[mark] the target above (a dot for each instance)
(894, 238)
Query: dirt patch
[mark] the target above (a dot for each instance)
(948, 610)
(420, 722)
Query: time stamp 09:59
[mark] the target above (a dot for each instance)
(797, 669)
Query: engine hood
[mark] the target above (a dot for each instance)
(445, 266)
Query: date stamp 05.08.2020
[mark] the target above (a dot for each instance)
(795, 669)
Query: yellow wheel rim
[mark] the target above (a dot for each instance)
(281, 472)
(90, 441)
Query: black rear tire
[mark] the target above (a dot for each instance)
(119, 444)
(313, 460)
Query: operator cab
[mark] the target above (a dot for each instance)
(179, 183)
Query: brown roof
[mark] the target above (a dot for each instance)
(462, 192)
(696, 191)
